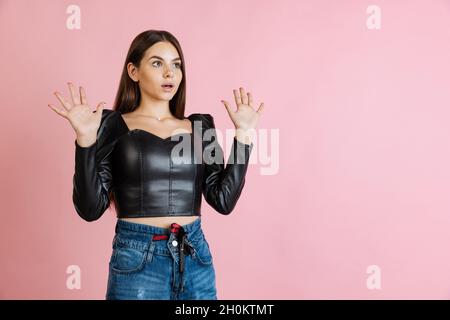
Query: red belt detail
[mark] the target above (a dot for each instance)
(174, 228)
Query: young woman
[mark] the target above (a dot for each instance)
(154, 164)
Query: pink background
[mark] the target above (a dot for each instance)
(364, 142)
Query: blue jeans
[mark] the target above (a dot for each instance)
(144, 266)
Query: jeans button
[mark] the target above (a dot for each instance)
(174, 243)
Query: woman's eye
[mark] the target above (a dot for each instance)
(159, 62)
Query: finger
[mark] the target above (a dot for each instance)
(64, 103)
(83, 96)
(227, 106)
(62, 113)
(243, 96)
(99, 109)
(250, 99)
(261, 108)
(75, 97)
(237, 97)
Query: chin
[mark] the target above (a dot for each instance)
(166, 98)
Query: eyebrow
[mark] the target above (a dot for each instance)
(157, 57)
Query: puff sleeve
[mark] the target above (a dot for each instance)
(92, 180)
(222, 186)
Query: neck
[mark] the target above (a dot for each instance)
(153, 108)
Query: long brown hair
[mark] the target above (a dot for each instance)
(128, 95)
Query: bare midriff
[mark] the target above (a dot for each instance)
(163, 222)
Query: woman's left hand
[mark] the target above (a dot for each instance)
(246, 117)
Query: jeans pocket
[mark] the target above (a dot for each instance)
(127, 257)
(202, 252)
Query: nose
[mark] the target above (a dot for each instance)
(169, 72)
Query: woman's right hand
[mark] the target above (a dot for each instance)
(79, 113)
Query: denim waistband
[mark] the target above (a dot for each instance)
(148, 229)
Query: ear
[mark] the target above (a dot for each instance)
(132, 72)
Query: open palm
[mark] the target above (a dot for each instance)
(79, 113)
(245, 117)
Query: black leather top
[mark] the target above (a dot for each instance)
(153, 177)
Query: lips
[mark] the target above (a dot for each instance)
(167, 85)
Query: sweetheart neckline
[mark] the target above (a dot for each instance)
(158, 137)
(154, 135)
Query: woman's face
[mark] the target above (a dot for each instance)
(161, 64)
